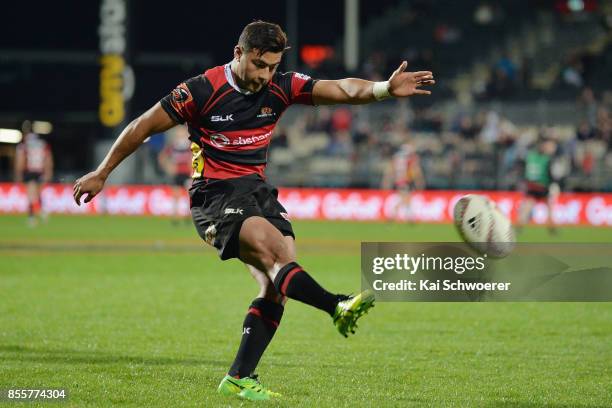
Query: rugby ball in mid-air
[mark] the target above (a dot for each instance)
(483, 226)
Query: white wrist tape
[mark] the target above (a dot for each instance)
(381, 90)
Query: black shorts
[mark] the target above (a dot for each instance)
(537, 191)
(219, 207)
(32, 176)
(405, 187)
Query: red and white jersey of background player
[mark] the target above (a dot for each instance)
(404, 163)
(231, 128)
(178, 151)
(35, 151)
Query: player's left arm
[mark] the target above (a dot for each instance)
(355, 91)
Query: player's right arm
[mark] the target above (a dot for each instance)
(155, 120)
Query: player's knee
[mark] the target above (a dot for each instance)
(268, 291)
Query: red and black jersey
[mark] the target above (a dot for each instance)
(231, 129)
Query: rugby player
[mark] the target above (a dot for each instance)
(33, 166)
(404, 174)
(175, 159)
(539, 184)
(231, 111)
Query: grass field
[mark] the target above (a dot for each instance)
(136, 312)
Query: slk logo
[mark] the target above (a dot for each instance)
(233, 211)
(222, 118)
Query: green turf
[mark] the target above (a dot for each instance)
(135, 312)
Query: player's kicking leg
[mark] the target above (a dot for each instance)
(263, 246)
(271, 260)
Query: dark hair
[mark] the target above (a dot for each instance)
(263, 37)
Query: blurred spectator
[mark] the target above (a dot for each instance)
(585, 131)
(483, 14)
(319, 120)
(361, 134)
(508, 66)
(280, 138)
(445, 33)
(467, 129)
(341, 119)
(340, 145)
(155, 145)
(486, 13)
(572, 73)
(588, 105)
(490, 131)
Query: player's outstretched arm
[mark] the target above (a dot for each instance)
(153, 121)
(357, 91)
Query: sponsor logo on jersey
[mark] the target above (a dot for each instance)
(234, 211)
(222, 118)
(220, 140)
(180, 94)
(266, 112)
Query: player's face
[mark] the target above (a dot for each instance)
(254, 71)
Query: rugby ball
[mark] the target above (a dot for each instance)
(483, 226)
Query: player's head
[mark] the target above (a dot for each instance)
(26, 127)
(258, 54)
(548, 147)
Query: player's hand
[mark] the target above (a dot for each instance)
(409, 83)
(90, 184)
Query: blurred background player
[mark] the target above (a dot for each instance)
(405, 176)
(33, 166)
(175, 160)
(539, 184)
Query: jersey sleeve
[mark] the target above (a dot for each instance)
(297, 87)
(185, 101)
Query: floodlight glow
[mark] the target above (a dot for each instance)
(42, 127)
(10, 136)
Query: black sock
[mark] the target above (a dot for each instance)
(292, 281)
(259, 327)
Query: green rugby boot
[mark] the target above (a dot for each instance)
(248, 388)
(350, 310)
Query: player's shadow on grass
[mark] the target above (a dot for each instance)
(39, 355)
(66, 356)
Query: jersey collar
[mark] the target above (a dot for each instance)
(230, 79)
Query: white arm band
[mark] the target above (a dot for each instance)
(381, 90)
